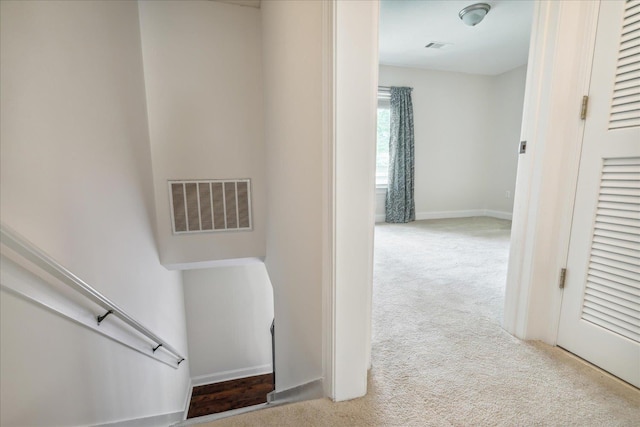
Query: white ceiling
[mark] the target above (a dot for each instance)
(499, 43)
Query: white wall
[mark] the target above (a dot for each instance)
(507, 101)
(229, 313)
(203, 75)
(451, 122)
(466, 135)
(76, 181)
(292, 66)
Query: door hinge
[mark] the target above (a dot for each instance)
(563, 277)
(583, 109)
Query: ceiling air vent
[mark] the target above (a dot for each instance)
(211, 205)
(437, 45)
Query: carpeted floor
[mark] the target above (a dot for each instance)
(440, 357)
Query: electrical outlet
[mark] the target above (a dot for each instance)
(507, 194)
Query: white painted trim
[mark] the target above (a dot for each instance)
(152, 421)
(328, 196)
(308, 391)
(449, 214)
(562, 41)
(232, 262)
(356, 103)
(187, 399)
(231, 375)
(498, 214)
(220, 415)
(456, 214)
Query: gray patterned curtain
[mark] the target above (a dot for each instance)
(400, 206)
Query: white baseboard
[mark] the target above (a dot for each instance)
(153, 421)
(499, 214)
(231, 375)
(307, 391)
(213, 264)
(456, 214)
(449, 214)
(220, 415)
(187, 400)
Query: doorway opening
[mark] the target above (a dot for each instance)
(439, 282)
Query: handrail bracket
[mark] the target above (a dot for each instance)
(104, 316)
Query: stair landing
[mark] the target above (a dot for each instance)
(228, 395)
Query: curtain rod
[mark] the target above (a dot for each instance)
(389, 87)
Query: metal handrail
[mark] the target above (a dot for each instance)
(22, 246)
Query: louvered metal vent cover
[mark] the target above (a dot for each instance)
(625, 104)
(211, 205)
(612, 295)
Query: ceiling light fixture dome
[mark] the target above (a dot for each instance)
(474, 14)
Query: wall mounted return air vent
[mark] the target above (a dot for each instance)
(210, 205)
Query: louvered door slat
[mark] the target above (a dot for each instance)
(618, 214)
(631, 98)
(612, 316)
(625, 114)
(621, 191)
(613, 206)
(625, 314)
(603, 321)
(628, 41)
(619, 199)
(630, 307)
(615, 249)
(631, 110)
(612, 292)
(621, 168)
(617, 242)
(621, 176)
(622, 231)
(615, 255)
(628, 72)
(598, 284)
(617, 218)
(631, 25)
(608, 182)
(629, 54)
(629, 67)
(601, 232)
(619, 282)
(604, 266)
(623, 93)
(627, 86)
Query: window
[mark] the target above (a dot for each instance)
(382, 147)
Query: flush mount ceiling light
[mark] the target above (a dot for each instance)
(474, 14)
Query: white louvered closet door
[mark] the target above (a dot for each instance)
(600, 315)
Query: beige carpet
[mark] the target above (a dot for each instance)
(440, 357)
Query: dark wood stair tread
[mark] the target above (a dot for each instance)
(227, 395)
